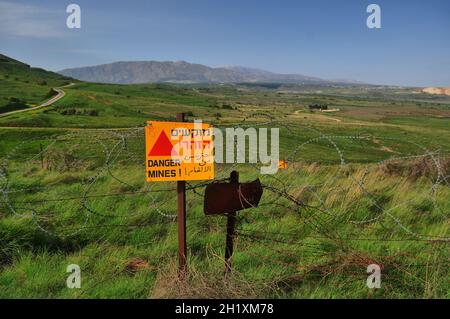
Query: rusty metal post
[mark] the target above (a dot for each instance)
(231, 221)
(182, 250)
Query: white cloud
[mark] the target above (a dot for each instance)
(24, 20)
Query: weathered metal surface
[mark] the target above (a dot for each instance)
(231, 222)
(223, 198)
(181, 213)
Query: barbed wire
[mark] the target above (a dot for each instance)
(122, 142)
(309, 200)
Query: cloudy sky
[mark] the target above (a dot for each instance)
(328, 39)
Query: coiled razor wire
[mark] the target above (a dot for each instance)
(110, 154)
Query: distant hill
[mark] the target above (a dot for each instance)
(180, 71)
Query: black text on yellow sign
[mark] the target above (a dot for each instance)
(179, 151)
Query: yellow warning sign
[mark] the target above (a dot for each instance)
(282, 164)
(177, 151)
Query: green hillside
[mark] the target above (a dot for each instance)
(23, 86)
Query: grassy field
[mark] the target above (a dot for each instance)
(367, 183)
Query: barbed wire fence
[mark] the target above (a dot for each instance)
(100, 155)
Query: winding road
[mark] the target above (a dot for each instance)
(60, 94)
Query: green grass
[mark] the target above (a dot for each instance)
(293, 253)
(84, 200)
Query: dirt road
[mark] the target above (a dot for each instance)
(57, 97)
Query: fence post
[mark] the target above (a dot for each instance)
(182, 251)
(231, 221)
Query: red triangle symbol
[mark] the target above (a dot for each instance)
(162, 147)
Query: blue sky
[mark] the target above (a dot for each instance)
(327, 39)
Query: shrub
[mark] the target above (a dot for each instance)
(420, 167)
(60, 160)
(13, 99)
(51, 93)
(74, 111)
(316, 106)
(91, 112)
(14, 104)
(68, 111)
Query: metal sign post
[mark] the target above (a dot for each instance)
(182, 251)
(228, 198)
(179, 151)
(231, 221)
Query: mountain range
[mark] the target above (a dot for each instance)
(134, 72)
